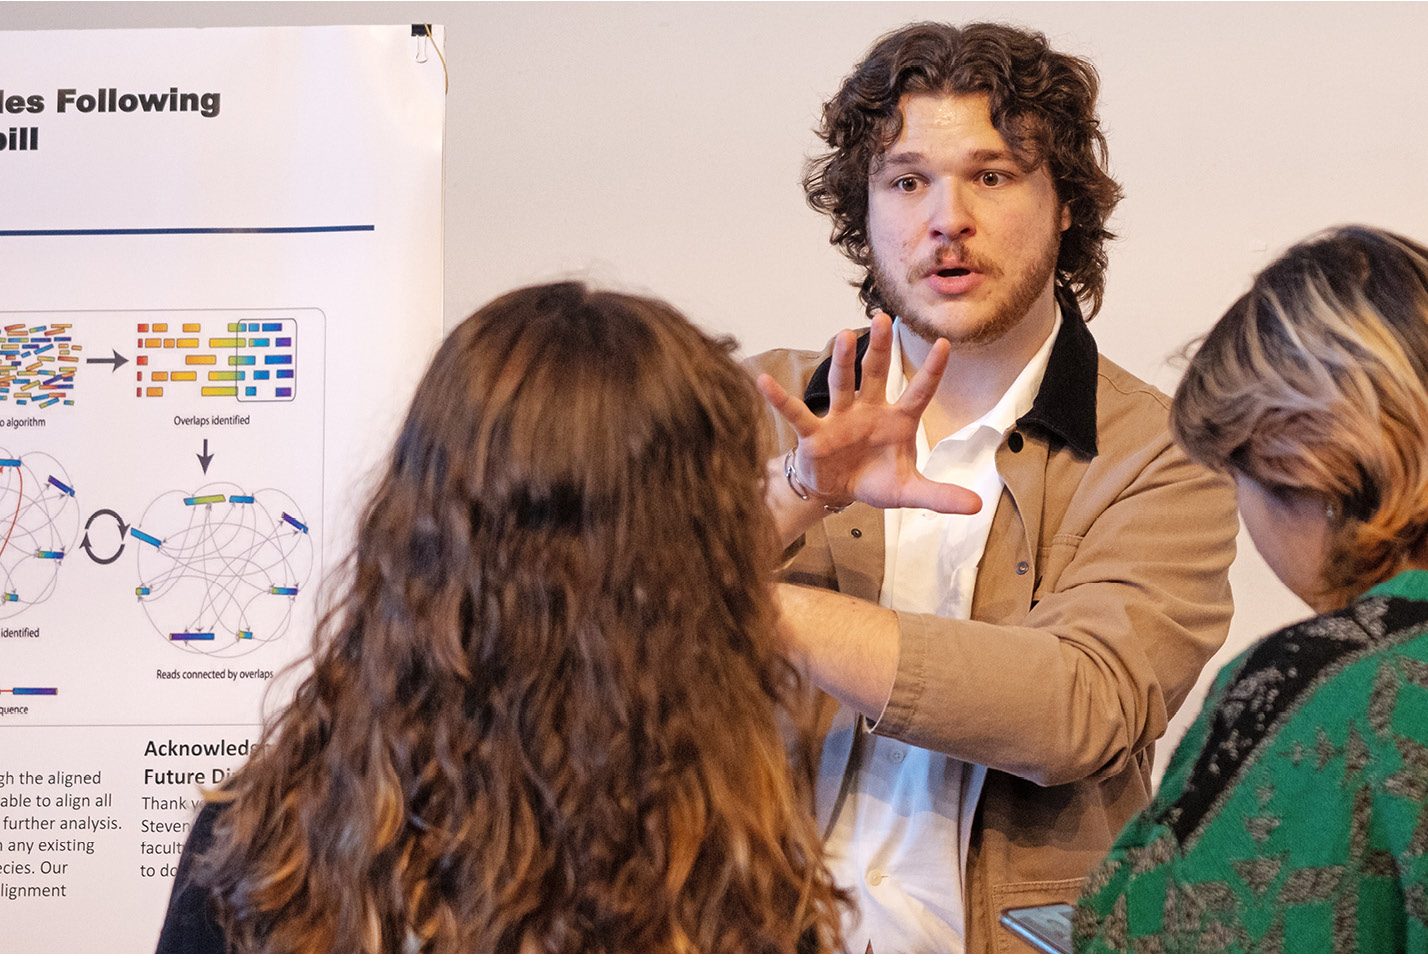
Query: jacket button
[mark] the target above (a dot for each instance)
(1022, 567)
(1014, 442)
(856, 533)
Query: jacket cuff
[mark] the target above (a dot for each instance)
(914, 642)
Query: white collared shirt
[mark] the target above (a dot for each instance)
(890, 843)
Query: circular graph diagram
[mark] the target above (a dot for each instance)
(220, 568)
(39, 523)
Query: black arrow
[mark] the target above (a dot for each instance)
(205, 457)
(118, 360)
(123, 530)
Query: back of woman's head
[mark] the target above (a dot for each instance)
(547, 714)
(1315, 384)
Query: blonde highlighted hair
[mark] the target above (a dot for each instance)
(1315, 384)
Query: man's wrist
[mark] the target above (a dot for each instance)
(802, 491)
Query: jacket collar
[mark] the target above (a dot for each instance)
(1065, 403)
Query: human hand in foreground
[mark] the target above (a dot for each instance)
(864, 448)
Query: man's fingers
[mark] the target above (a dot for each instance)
(790, 408)
(877, 359)
(924, 383)
(841, 377)
(942, 498)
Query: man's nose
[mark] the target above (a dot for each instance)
(952, 215)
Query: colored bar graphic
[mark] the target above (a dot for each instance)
(209, 499)
(142, 591)
(35, 691)
(12, 597)
(239, 347)
(139, 534)
(245, 634)
(285, 591)
(29, 368)
(295, 522)
(10, 462)
(50, 554)
(190, 637)
(61, 486)
(236, 498)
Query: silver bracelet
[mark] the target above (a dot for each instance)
(803, 492)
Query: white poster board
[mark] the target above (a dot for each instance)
(221, 260)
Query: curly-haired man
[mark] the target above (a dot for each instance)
(1003, 574)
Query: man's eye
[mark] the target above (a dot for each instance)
(905, 184)
(993, 179)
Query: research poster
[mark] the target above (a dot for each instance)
(220, 278)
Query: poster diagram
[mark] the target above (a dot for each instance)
(218, 560)
(220, 568)
(39, 525)
(37, 364)
(212, 319)
(244, 360)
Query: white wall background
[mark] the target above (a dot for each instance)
(658, 147)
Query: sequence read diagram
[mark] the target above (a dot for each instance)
(192, 354)
(215, 567)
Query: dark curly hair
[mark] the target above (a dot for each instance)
(1042, 102)
(548, 710)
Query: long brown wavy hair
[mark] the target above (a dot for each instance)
(1315, 385)
(1042, 102)
(548, 711)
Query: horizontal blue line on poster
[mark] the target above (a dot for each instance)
(278, 230)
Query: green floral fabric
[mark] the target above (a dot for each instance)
(1291, 817)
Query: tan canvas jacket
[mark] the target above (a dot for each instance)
(1102, 592)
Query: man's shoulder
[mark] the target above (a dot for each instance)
(1116, 383)
(1128, 408)
(789, 366)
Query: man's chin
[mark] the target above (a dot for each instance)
(960, 332)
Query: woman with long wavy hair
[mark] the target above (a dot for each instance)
(548, 711)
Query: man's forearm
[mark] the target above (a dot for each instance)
(849, 646)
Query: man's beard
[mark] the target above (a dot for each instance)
(1005, 314)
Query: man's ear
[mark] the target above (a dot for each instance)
(1065, 216)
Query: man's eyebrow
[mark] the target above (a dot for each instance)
(911, 157)
(907, 157)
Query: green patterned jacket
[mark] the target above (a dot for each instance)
(1291, 817)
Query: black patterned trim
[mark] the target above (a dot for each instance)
(1274, 679)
